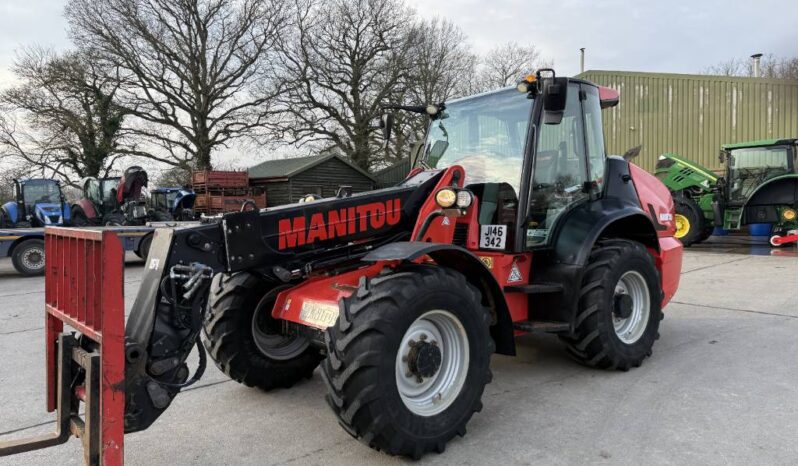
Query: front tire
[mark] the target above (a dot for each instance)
(408, 360)
(689, 219)
(239, 338)
(619, 307)
(28, 257)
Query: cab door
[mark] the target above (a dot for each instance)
(559, 170)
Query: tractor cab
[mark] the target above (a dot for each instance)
(175, 203)
(38, 202)
(761, 184)
(749, 165)
(490, 136)
(113, 200)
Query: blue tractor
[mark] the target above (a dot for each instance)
(38, 202)
(172, 204)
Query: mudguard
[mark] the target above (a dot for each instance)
(468, 264)
(12, 212)
(761, 205)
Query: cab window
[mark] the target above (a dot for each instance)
(594, 132)
(559, 170)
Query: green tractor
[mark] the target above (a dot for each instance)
(760, 186)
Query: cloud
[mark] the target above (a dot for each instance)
(26, 23)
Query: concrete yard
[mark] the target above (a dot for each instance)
(720, 388)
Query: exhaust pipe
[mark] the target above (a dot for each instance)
(582, 60)
(755, 65)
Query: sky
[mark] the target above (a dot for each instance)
(632, 35)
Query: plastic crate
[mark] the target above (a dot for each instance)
(208, 179)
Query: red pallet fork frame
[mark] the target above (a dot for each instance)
(84, 290)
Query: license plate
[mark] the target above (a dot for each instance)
(317, 314)
(493, 236)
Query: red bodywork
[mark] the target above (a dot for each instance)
(324, 292)
(655, 198)
(88, 208)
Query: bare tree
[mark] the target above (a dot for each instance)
(189, 68)
(442, 67)
(771, 66)
(344, 61)
(63, 119)
(505, 64)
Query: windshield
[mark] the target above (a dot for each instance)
(109, 189)
(485, 135)
(41, 192)
(752, 166)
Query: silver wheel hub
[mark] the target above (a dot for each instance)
(33, 258)
(631, 307)
(432, 363)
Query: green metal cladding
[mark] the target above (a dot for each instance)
(694, 115)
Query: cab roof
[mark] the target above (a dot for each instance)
(760, 143)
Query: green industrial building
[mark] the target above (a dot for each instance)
(693, 115)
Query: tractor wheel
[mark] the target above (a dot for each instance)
(78, 217)
(689, 219)
(706, 233)
(619, 307)
(28, 257)
(161, 216)
(408, 360)
(245, 342)
(144, 247)
(114, 219)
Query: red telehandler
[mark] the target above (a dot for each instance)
(513, 221)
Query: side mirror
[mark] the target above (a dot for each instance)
(436, 152)
(386, 123)
(414, 152)
(554, 95)
(722, 156)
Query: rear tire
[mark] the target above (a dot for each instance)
(689, 219)
(28, 257)
(114, 219)
(144, 246)
(613, 332)
(230, 335)
(78, 217)
(414, 403)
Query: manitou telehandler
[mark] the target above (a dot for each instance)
(513, 221)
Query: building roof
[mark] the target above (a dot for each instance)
(759, 143)
(589, 74)
(286, 168)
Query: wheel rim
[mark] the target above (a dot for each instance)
(682, 225)
(629, 329)
(33, 258)
(438, 337)
(265, 332)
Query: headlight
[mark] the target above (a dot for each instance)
(788, 215)
(446, 198)
(464, 199)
